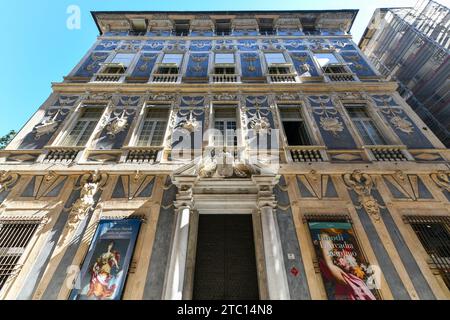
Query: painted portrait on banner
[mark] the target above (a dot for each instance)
(105, 268)
(345, 271)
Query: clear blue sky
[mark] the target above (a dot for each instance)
(38, 48)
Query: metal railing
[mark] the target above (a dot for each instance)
(306, 153)
(340, 77)
(388, 153)
(434, 234)
(15, 236)
(224, 78)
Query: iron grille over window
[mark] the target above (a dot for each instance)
(434, 234)
(15, 236)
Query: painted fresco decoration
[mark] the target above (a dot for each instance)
(383, 100)
(41, 134)
(115, 130)
(342, 44)
(7, 180)
(201, 45)
(189, 123)
(362, 184)
(245, 33)
(192, 102)
(328, 120)
(397, 121)
(198, 65)
(248, 45)
(104, 271)
(315, 185)
(132, 46)
(158, 33)
(49, 124)
(128, 101)
(92, 64)
(66, 101)
(49, 185)
(271, 44)
(107, 45)
(251, 65)
(259, 115)
(319, 44)
(145, 65)
(153, 45)
(406, 186)
(345, 271)
(224, 45)
(357, 63)
(304, 64)
(133, 186)
(176, 45)
(295, 45)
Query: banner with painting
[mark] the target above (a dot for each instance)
(105, 268)
(345, 272)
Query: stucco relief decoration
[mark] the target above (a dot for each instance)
(362, 184)
(146, 62)
(303, 59)
(95, 59)
(118, 123)
(355, 60)
(394, 114)
(128, 100)
(49, 124)
(320, 45)
(442, 180)
(90, 184)
(161, 97)
(191, 124)
(328, 120)
(67, 100)
(198, 60)
(294, 44)
(224, 165)
(7, 180)
(259, 122)
(251, 59)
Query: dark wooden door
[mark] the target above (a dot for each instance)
(225, 267)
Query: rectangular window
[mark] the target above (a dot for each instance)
(365, 125)
(345, 270)
(224, 63)
(329, 63)
(153, 128)
(224, 58)
(171, 63)
(225, 124)
(82, 130)
(119, 64)
(274, 58)
(294, 126)
(15, 236)
(434, 235)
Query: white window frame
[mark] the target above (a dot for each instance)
(224, 135)
(361, 121)
(78, 119)
(155, 121)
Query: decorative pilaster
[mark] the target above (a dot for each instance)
(275, 269)
(184, 206)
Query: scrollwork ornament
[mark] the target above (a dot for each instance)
(442, 179)
(90, 184)
(7, 180)
(362, 184)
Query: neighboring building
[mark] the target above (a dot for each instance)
(412, 46)
(223, 155)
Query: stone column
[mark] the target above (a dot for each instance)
(275, 269)
(178, 255)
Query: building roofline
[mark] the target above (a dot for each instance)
(354, 13)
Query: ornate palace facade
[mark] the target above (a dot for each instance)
(225, 155)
